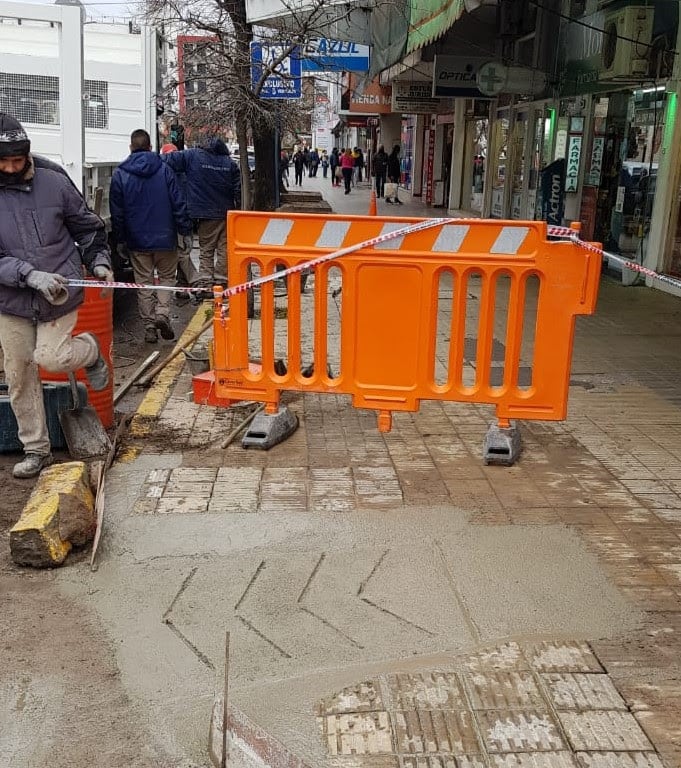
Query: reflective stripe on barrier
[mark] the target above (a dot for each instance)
(509, 297)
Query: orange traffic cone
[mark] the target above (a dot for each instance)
(372, 203)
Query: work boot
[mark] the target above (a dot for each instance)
(181, 298)
(163, 325)
(150, 335)
(31, 465)
(98, 372)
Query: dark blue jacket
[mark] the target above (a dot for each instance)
(213, 179)
(147, 206)
(41, 220)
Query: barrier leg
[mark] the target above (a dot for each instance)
(268, 429)
(502, 443)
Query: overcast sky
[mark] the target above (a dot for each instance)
(106, 9)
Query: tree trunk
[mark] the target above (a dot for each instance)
(265, 174)
(246, 186)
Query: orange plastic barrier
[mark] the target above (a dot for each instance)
(95, 315)
(496, 296)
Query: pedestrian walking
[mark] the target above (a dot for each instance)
(380, 170)
(187, 274)
(283, 167)
(306, 159)
(43, 218)
(213, 188)
(394, 174)
(148, 210)
(314, 163)
(347, 163)
(324, 160)
(358, 157)
(299, 167)
(334, 165)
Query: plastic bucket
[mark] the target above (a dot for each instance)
(95, 315)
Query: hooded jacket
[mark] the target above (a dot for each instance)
(148, 207)
(213, 179)
(41, 220)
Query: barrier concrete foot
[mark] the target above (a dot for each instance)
(501, 445)
(266, 430)
(58, 514)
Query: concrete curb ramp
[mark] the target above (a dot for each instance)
(59, 514)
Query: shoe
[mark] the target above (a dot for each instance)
(163, 325)
(32, 465)
(98, 372)
(347, 191)
(398, 201)
(389, 201)
(150, 335)
(181, 298)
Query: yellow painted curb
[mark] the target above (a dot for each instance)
(157, 396)
(58, 514)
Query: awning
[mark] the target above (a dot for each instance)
(398, 31)
(430, 19)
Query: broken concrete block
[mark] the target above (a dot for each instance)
(59, 514)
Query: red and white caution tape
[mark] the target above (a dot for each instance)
(571, 234)
(553, 231)
(235, 289)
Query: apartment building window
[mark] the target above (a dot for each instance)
(35, 99)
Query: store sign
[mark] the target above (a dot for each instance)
(552, 195)
(412, 97)
(593, 178)
(430, 170)
(285, 81)
(325, 55)
(455, 76)
(373, 99)
(573, 155)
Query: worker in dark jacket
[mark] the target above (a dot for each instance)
(42, 217)
(213, 188)
(148, 210)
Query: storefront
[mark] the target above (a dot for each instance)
(521, 146)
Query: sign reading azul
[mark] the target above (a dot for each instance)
(325, 55)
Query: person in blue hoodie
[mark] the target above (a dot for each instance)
(148, 210)
(213, 188)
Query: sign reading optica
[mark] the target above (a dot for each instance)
(326, 55)
(285, 80)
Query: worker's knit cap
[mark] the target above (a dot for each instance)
(13, 138)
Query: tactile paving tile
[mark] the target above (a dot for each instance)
(619, 760)
(563, 657)
(535, 760)
(419, 731)
(362, 697)
(582, 692)
(607, 731)
(503, 690)
(358, 733)
(519, 731)
(435, 690)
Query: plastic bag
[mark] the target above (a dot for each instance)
(339, 172)
(390, 189)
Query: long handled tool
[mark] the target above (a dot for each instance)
(83, 431)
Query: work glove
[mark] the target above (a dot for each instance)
(186, 243)
(104, 273)
(50, 285)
